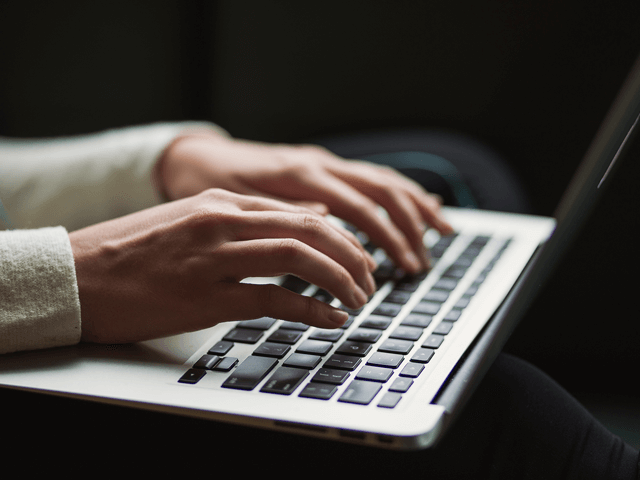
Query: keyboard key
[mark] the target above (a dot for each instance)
(264, 323)
(226, 364)
(354, 348)
(387, 360)
(243, 335)
(374, 374)
(315, 347)
(302, 360)
(403, 332)
(398, 296)
(443, 328)
(294, 284)
(376, 322)
(289, 337)
(389, 400)
(360, 392)
(331, 375)
(387, 309)
(207, 362)
(412, 370)
(192, 376)
(318, 391)
(423, 355)
(275, 350)
(301, 327)
(393, 345)
(326, 335)
(421, 320)
(438, 296)
(284, 380)
(433, 341)
(342, 362)
(323, 296)
(221, 348)
(430, 308)
(401, 385)
(250, 373)
(453, 315)
(446, 284)
(365, 335)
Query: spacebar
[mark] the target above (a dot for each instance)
(250, 373)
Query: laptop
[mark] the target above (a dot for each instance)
(401, 369)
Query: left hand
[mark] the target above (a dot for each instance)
(314, 177)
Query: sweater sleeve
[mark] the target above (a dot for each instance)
(82, 180)
(49, 187)
(39, 304)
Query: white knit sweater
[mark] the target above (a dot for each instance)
(49, 187)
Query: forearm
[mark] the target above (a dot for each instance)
(78, 181)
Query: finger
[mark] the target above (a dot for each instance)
(247, 301)
(316, 234)
(353, 206)
(275, 257)
(252, 203)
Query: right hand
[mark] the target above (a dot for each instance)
(178, 267)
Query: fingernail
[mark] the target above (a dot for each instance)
(359, 296)
(413, 260)
(338, 316)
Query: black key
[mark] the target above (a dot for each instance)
(423, 355)
(319, 391)
(387, 309)
(323, 296)
(365, 335)
(342, 362)
(389, 400)
(398, 296)
(275, 350)
(244, 335)
(463, 302)
(408, 284)
(454, 272)
(376, 322)
(401, 385)
(403, 332)
(315, 347)
(360, 392)
(433, 341)
(250, 373)
(392, 345)
(453, 315)
(221, 348)
(284, 380)
(331, 375)
(192, 376)
(443, 328)
(374, 374)
(302, 360)
(264, 323)
(326, 335)
(226, 364)
(446, 284)
(285, 336)
(430, 308)
(208, 362)
(387, 360)
(294, 284)
(438, 296)
(356, 349)
(421, 320)
(301, 327)
(412, 370)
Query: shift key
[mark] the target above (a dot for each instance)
(250, 373)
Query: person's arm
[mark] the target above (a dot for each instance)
(81, 180)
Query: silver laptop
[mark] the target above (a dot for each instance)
(395, 375)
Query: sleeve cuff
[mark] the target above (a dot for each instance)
(40, 307)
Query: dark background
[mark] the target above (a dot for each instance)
(532, 79)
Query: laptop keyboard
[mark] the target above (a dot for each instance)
(377, 356)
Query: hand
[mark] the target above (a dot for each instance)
(177, 267)
(312, 176)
